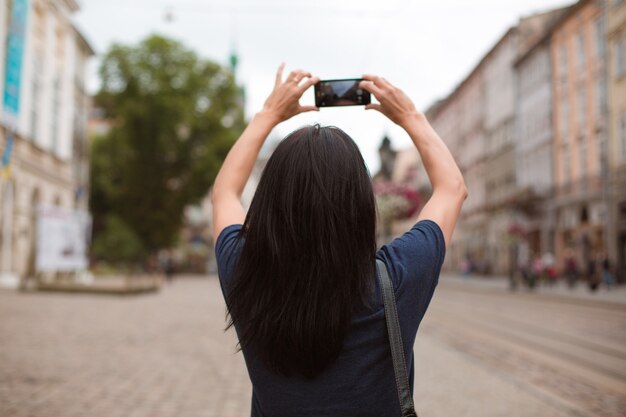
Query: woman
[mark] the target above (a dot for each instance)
(298, 271)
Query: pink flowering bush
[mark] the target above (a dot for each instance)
(516, 230)
(395, 202)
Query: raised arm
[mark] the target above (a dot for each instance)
(282, 104)
(449, 190)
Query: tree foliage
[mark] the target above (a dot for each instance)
(173, 116)
(117, 242)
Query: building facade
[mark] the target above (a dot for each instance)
(527, 127)
(49, 163)
(533, 152)
(534, 216)
(579, 91)
(616, 121)
(500, 173)
(538, 129)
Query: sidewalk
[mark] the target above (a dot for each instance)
(165, 354)
(617, 295)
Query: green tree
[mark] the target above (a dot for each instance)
(173, 116)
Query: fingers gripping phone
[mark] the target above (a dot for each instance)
(331, 93)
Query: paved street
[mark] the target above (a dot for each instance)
(567, 351)
(481, 352)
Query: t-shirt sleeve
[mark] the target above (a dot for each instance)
(227, 250)
(414, 261)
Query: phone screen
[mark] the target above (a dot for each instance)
(330, 93)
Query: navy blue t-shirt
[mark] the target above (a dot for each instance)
(361, 381)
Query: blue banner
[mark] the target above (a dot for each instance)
(14, 58)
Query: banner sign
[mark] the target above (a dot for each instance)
(62, 239)
(14, 58)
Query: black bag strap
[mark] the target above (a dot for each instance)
(395, 340)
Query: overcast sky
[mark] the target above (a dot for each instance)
(424, 47)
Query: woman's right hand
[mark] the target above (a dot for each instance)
(394, 103)
(283, 102)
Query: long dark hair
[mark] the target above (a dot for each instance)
(308, 258)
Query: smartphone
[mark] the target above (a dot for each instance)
(330, 93)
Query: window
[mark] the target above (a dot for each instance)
(600, 98)
(598, 29)
(622, 209)
(79, 119)
(582, 114)
(620, 56)
(38, 63)
(35, 90)
(60, 38)
(39, 21)
(580, 50)
(563, 62)
(565, 162)
(602, 154)
(79, 72)
(582, 160)
(7, 15)
(622, 136)
(564, 122)
(507, 135)
(56, 113)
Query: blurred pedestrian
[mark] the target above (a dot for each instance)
(298, 271)
(467, 266)
(167, 264)
(524, 263)
(536, 271)
(571, 268)
(607, 274)
(513, 270)
(592, 274)
(549, 268)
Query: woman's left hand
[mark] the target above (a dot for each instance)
(283, 102)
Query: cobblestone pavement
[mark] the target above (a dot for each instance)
(138, 356)
(165, 355)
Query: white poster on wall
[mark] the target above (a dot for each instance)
(62, 239)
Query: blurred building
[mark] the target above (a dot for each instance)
(49, 161)
(499, 151)
(478, 121)
(534, 135)
(616, 87)
(579, 92)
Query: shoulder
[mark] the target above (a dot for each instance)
(227, 249)
(227, 237)
(416, 256)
